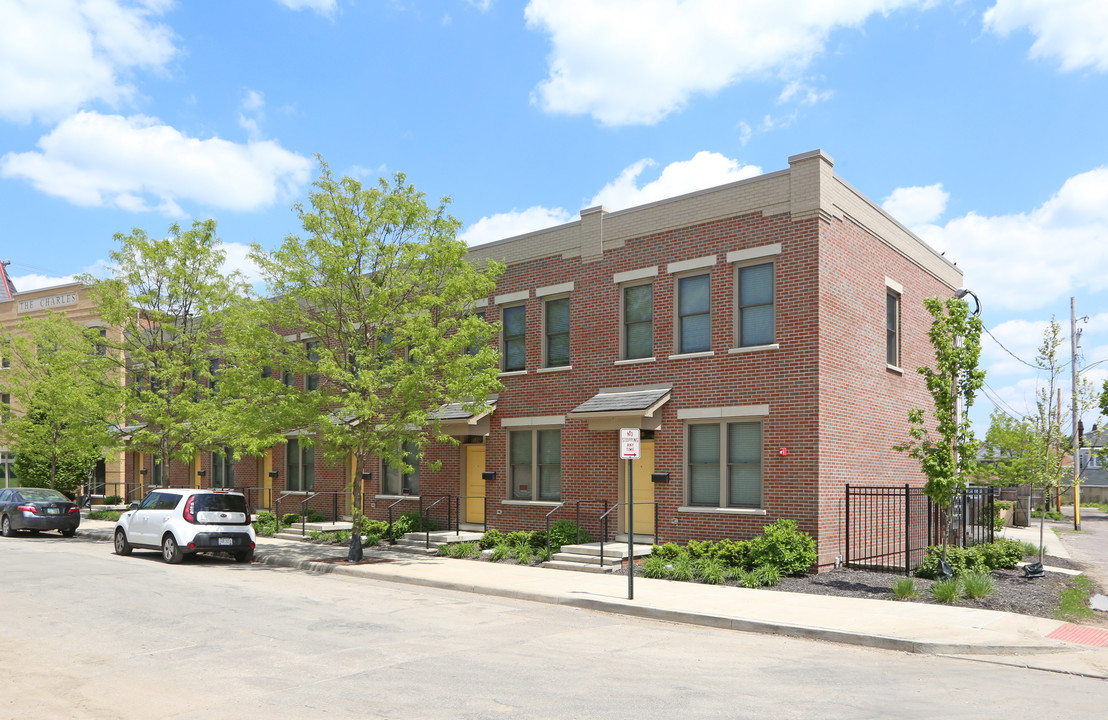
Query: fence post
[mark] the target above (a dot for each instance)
(846, 553)
(907, 528)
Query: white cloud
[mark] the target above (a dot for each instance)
(35, 281)
(1032, 259)
(635, 61)
(238, 259)
(516, 222)
(482, 5)
(918, 205)
(253, 101)
(57, 55)
(254, 104)
(95, 160)
(1021, 337)
(704, 170)
(801, 92)
(323, 7)
(1071, 31)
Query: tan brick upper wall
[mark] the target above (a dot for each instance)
(808, 189)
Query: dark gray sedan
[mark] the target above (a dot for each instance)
(37, 509)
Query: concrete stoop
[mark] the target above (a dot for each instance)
(295, 533)
(587, 557)
(418, 543)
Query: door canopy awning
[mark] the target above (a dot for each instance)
(613, 408)
(456, 420)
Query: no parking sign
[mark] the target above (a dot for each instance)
(629, 446)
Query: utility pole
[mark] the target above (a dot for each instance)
(1073, 402)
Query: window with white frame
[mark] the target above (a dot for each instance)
(476, 347)
(754, 305)
(223, 469)
(535, 460)
(638, 321)
(694, 313)
(892, 328)
(394, 481)
(725, 464)
(299, 466)
(515, 337)
(311, 380)
(556, 337)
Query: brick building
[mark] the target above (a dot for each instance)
(762, 335)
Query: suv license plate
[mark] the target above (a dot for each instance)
(226, 541)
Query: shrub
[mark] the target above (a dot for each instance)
(523, 553)
(978, 584)
(443, 551)
(112, 515)
(518, 537)
(766, 575)
(961, 560)
(564, 532)
(371, 540)
(464, 550)
(112, 500)
(290, 518)
(316, 517)
(709, 571)
(1004, 553)
(265, 524)
(654, 566)
(905, 588)
(947, 591)
(669, 551)
(412, 522)
(700, 549)
(782, 545)
(537, 540)
(735, 574)
(501, 552)
(682, 569)
(733, 553)
(371, 527)
(490, 539)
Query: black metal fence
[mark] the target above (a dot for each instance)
(891, 527)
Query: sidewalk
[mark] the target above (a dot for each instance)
(987, 635)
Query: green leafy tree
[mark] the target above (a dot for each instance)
(945, 447)
(1006, 445)
(172, 299)
(380, 286)
(65, 387)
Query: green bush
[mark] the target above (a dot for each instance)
(316, 517)
(668, 552)
(265, 524)
(1003, 553)
(290, 519)
(112, 500)
(412, 522)
(564, 532)
(517, 538)
(464, 550)
(371, 540)
(947, 591)
(733, 553)
(782, 545)
(523, 553)
(491, 539)
(537, 540)
(905, 588)
(698, 549)
(112, 515)
(961, 560)
(443, 551)
(654, 566)
(501, 552)
(978, 584)
(709, 571)
(682, 569)
(371, 527)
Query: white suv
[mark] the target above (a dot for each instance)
(180, 522)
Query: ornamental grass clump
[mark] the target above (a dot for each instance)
(978, 584)
(709, 571)
(654, 566)
(905, 589)
(947, 591)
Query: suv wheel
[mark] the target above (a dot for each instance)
(245, 556)
(171, 552)
(122, 547)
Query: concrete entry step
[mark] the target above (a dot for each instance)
(609, 559)
(611, 549)
(576, 567)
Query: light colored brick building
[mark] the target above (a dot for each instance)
(763, 336)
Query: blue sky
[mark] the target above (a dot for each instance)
(979, 124)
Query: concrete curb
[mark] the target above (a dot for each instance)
(722, 622)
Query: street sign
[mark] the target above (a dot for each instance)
(629, 445)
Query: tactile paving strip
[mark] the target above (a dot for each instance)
(1081, 635)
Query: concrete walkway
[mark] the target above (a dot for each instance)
(985, 635)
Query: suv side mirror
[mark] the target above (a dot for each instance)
(133, 506)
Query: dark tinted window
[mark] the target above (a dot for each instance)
(4, 495)
(220, 503)
(40, 494)
(167, 501)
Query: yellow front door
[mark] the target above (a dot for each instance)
(475, 484)
(642, 491)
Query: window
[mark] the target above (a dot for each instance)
(215, 375)
(223, 469)
(638, 321)
(536, 455)
(5, 361)
(267, 372)
(288, 378)
(694, 323)
(557, 332)
(725, 464)
(755, 305)
(311, 381)
(398, 482)
(7, 470)
(101, 344)
(892, 329)
(299, 466)
(515, 337)
(156, 471)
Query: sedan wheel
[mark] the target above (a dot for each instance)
(171, 553)
(6, 527)
(68, 533)
(122, 547)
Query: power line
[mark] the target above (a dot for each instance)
(1009, 351)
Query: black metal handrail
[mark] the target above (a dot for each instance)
(392, 539)
(427, 525)
(630, 530)
(562, 504)
(458, 512)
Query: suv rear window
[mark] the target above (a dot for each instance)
(220, 503)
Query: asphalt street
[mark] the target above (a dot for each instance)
(94, 635)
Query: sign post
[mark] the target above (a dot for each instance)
(630, 450)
